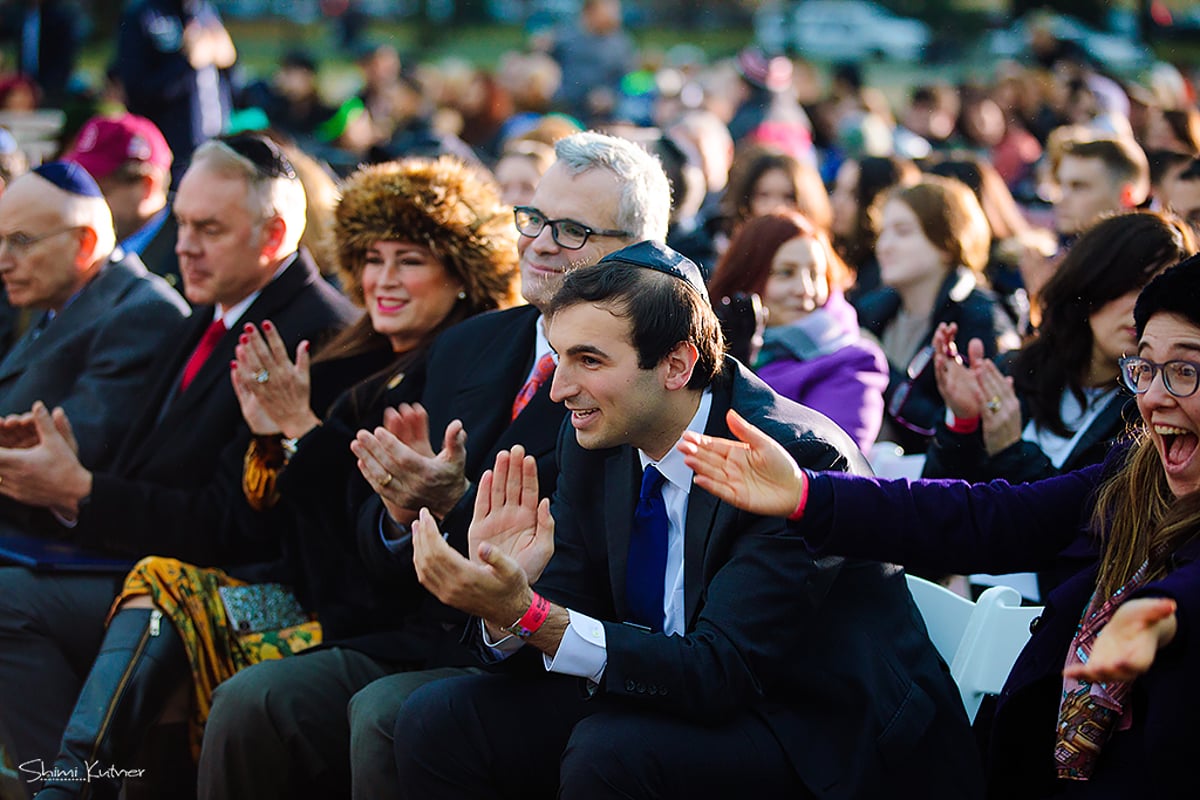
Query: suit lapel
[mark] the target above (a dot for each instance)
(77, 316)
(703, 513)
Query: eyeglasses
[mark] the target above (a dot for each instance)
(567, 233)
(1180, 378)
(263, 153)
(18, 244)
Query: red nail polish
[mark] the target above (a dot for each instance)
(267, 325)
(244, 338)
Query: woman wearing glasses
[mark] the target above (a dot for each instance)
(421, 245)
(1098, 704)
(932, 249)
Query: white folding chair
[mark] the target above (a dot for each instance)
(980, 641)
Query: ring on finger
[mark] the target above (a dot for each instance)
(387, 479)
(262, 376)
(993, 405)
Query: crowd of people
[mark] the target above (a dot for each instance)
(394, 445)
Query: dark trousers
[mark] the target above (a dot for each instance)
(51, 627)
(306, 726)
(540, 736)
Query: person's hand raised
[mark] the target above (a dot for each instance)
(280, 388)
(755, 474)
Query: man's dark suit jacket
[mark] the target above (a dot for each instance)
(174, 479)
(159, 253)
(831, 654)
(474, 372)
(996, 527)
(96, 356)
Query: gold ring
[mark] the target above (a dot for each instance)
(383, 483)
(993, 405)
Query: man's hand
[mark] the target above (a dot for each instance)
(397, 459)
(1128, 644)
(490, 586)
(755, 474)
(48, 474)
(18, 431)
(508, 516)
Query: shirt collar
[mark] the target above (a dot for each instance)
(231, 315)
(672, 466)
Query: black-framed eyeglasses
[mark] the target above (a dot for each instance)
(263, 153)
(567, 233)
(19, 243)
(1180, 378)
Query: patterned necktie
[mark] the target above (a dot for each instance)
(207, 343)
(646, 568)
(543, 370)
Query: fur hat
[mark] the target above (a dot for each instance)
(450, 207)
(1174, 291)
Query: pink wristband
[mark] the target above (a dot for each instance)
(968, 425)
(799, 512)
(531, 620)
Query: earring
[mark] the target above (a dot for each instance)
(462, 295)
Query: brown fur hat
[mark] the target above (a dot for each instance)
(450, 207)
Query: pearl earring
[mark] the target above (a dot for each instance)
(462, 295)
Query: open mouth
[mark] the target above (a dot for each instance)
(1179, 445)
(580, 416)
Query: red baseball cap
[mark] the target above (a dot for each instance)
(105, 143)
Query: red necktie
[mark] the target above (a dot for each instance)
(208, 343)
(543, 370)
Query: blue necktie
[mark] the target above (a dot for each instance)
(646, 569)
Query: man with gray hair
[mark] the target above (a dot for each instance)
(100, 317)
(280, 729)
(240, 213)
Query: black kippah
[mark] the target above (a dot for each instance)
(70, 177)
(660, 258)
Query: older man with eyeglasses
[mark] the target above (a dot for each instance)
(280, 729)
(240, 212)
(100, 318)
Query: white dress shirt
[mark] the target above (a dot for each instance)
(583, 650)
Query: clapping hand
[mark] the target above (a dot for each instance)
(1002, 417)
(956, 381)
(397, 459)
(274, 393)
(511, 540)
(755, 474)
(46, 474)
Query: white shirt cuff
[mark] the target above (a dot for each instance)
(583, 651)
(502, 649)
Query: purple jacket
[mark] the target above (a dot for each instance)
(824, 363)
(950, 526)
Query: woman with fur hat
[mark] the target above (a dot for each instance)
(421, 244)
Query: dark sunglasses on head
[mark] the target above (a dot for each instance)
(263, 153)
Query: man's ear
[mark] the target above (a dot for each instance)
(273, 232)
(678, 365)
(86, 253)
